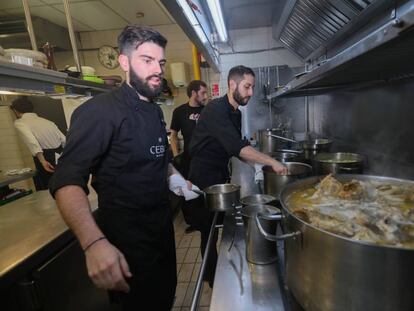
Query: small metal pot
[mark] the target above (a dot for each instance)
(274, 183)
(312, 147)
(258, 199)
(259, 250)
(338, 163)
(221, 197)
(268, 143)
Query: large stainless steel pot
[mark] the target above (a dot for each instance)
(221, 197)
(269, 143)
(327, 272)
(274, 183)
(338, 163)
(259, 250)
(314, 146)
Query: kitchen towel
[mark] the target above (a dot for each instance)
(178, 185)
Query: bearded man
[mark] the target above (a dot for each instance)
(217, 138)
(120, 138)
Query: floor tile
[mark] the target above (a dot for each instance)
(191, 256)
(178, 268)
(195, 242)
(180, 253)
(180, 294)
(185, 241)
(186, 272)
(189, 294)
(196, 272)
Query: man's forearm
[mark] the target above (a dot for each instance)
(174, 145)
(172, 170)
(40, 157)
(75, 209)
(250, 155)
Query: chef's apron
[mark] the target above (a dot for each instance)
(135, 216)
(42, 177)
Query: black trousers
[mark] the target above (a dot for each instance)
(149, 250)
(201, 217)
(42, 177)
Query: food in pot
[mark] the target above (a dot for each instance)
(370, 211)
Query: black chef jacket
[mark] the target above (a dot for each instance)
(122, 141)
(216, 138)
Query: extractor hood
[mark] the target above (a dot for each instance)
(309, 25)
(14, 34)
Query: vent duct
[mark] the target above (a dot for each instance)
(312, 23)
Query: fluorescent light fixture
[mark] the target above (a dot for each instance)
(217, 14)
(189, 14)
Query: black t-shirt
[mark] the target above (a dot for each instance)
(217, 136)
(184, 119)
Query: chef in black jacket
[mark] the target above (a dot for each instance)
(217, 138)
(120, 138)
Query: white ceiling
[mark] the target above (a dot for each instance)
(91, 15)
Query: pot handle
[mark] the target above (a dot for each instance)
(269, 236)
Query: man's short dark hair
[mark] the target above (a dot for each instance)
(133, 36)
(237, 73)
(195, 86)
(22, 105)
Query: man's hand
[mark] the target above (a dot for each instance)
(47, 166)
(107, 266)
(279, 168)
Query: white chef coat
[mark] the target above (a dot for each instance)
(39, 133)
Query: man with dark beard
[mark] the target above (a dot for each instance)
(120, 138)
(217, 138)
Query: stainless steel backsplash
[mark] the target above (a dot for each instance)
(377, 122)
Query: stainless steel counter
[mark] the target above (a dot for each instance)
(7, 180)
(239, 285)
(28, 226)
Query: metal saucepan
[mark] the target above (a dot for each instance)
(221, 197)
(267, 143)
(351, 274)
(274, 183)
(338, 163)
(314, 146)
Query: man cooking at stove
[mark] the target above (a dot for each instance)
(217, 138)
(120, 138)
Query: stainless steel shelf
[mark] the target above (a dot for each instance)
(383, 55)
(26, 79)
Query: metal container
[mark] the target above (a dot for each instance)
(258, 199)
(222, 197)
(274, 183)
(285, 156)
(267, 143)
(258, 249)
(326, 272)
(338, 163)
(314, 146)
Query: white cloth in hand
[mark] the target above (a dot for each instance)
(178, 185)
(258, 172)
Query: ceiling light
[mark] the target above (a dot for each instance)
(189, 14)
(139, 14)
(217, 14)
